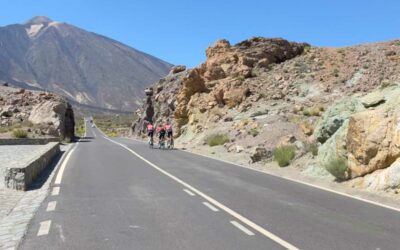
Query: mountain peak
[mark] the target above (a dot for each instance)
(39, 20)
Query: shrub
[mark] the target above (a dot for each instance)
(284, 155)
(307, 49)
(335, 73)
(260, 113)
(271, 66)
(254, 132)
(306, 112)
(80, 131)
(19, 133)
(315, 111)
(217, 139)
(313, 148)
(3, 129)
(338, 168)
(27, 124)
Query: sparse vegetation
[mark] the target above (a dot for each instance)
(385, 83)
(259, 113)
(338, 168)
(271, 66)
(111, 125)
(217, 139)
(3, 130)
(307, 49)
(20, 133)
(284, 155)
(312, 148)
(335, 73)
(313, 111)
(253, 131)
(306, 112)
(79, 127)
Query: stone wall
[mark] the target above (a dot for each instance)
(28, 141)
(19, 175)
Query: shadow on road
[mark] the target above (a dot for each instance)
(84, 139)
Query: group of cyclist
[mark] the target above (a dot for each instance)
(161, 130)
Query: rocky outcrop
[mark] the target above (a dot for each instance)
(369, 140)
(160, 102)
(339, 104)
(335, 116)
(42, 114)
(219, 81)
(217, 84)
(373, 140)
(381, 180)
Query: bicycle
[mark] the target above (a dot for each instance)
(170, 143)
(151, 142)
(161, 144)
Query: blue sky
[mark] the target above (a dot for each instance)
(179, 31)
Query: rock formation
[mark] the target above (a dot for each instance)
(338, 103)
(41, 113)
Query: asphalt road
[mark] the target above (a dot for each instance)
(119, 194)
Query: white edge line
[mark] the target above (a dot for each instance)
(210, 206)
(44, 228)
(304, 183)
(290, 179)
(188, 192)
(242, 228)
(55, 191)
(51, 206)
(244, 220)
(62, 168)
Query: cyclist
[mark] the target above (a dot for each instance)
(168, 128)
(161, 133)
(150, 132)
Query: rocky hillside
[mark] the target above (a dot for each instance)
(83, 66)
(328, 112)
(38, 114)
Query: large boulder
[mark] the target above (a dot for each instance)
(373, 99)
(373, 140)
(177, 69)
(56, 115)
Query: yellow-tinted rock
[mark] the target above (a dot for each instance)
(373, 140)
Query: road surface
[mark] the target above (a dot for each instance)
(119, 194)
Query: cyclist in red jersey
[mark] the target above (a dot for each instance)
(150, 132)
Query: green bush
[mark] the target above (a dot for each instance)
(4, 129)
(306, 112)
(217, 139)
(284, 155)
(254, 132)
(19, 133)
(338, 168)
(307, 49)
(271, 66)
(313, 148)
